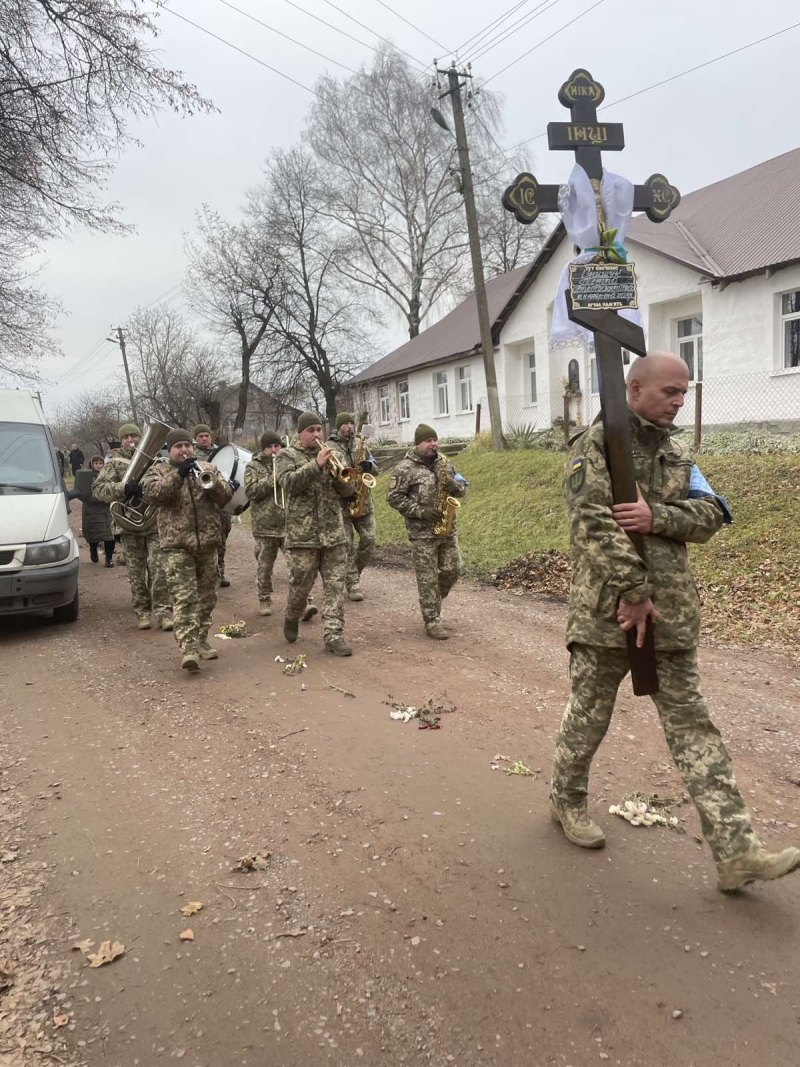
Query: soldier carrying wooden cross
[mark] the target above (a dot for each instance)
(635, 499)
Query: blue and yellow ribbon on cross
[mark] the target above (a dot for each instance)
(610, 248)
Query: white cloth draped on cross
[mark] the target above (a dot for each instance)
(578, 206)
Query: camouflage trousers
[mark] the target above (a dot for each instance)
(193, 582)
(437, 562)
(266, 552)
(361, 536)
(304, 566)
(694, 741)
(225, 525)
(145, 562)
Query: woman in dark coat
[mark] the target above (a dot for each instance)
(96, 518)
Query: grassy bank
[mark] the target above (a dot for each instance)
(749, 574)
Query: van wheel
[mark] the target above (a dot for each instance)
(68, 612)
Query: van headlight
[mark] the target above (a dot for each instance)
(48, 551)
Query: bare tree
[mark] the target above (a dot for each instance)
(318, 335)
(72, 72)
(234, 280)
(92, 418)
(505, 243)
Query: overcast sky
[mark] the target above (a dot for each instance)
(696, 130)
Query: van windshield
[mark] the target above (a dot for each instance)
(26, 460)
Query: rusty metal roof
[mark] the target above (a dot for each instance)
(736, 226)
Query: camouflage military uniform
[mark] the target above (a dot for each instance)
(143, 554)
(267, 520)
(314, 538)
(605, 567)
(189, 529)
(225, 521)
(361, 533)
(414, 485)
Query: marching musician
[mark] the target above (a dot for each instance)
(267, 519)
(190, 532)
(314, 537)
(418, 488)
(203, 447)
(360, 530)
(143, 556)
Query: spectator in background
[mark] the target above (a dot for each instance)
(76, 458)
(113, 447)
(95, 518)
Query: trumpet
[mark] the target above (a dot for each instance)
(337, 468)
(205, 478)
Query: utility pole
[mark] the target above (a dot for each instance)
(120, 340)
(468, 192)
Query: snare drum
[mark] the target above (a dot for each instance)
(230, 461)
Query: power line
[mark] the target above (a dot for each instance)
(330, 25)
(280, 33)
(546, 39)
(511, 30)
(413, 26)
(674, 77)
(241, 51)
(375, 33)
(491, 26)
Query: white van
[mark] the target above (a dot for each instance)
(38, 551)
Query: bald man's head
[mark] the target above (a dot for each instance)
(657, 384)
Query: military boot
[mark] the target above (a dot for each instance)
(436, 630)
(756, 865)
(290, 628)
(167, 624)
(191, 660)
(144, 622)
(224, 582)
(577, 826)
(354, 593)
(265, 606)
(205, 651)
(338, 646)
(309, 612)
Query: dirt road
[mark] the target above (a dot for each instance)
(417, 906)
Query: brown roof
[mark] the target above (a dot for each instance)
(458, 333)
(737, 226)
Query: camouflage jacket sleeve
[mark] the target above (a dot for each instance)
(108, 486)
(295, 476)
(608, 550)
(695, 519)
(162, 484)
(258, 481)
(452, 484)
(220, 491)
(398, 496)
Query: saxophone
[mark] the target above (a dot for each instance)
(363, 481)
(446, 504)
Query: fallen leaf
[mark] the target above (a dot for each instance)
(83, 946)
(191, 908)
(187, 935)
(107, 953)
(60, 1020)
(257, 862)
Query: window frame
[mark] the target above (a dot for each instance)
(696, 341)
(787, 317)
(531, 390)
(440, 388)
(383, 394)
(461, 382)
(404, 401)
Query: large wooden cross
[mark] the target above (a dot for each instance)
(526, 199)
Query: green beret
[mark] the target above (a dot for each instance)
(343, 417)
(128, 428)
(174, 437)
(424, 433)
(308, 418)
(201, 428)
(269, 437)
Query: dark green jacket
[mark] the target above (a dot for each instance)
(606, 566)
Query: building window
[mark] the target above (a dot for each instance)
(593, 377)
(790, 328)
(531, 360)
(690, 346)
(383, 398)
(403, 401)
(465, 388)
(440, 387)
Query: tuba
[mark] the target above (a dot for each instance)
(364, 482)
(446, 504)
(134, 515)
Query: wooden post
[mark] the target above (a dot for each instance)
(477, 418)
(567, 416)
(698, 415)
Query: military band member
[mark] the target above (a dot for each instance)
(267, 519)
(414, 490)
(203, 447)
(314, 536)
(143, 556)
(360, 532)
(189, 528)
(614, 590)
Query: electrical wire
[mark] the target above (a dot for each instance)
(331, 26)
(473, 43)
(414, 26)
(375, 33)
(544, 41)
(241, 51)
(513, 29)
(280, 33)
